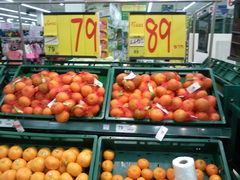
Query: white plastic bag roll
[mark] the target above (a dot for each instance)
(184, 168)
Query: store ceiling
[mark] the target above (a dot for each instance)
(156, 7)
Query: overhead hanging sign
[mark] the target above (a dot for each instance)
(73, 34)
(157, 35)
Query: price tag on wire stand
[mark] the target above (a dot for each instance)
(161, 133)
(126, 128)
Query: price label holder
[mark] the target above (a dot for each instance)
(136, 41)
(125, 128)
(161, 133)
(106, 127)
(51, 40)
(194, 87)
(6, 123)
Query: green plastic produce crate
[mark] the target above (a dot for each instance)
(40, 140)
(27, 70)
(182, 72)
(2, 74)
(160, 154)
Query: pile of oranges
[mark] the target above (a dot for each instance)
(50, 93)
(163, 96)
(141, 170)
(43, 164)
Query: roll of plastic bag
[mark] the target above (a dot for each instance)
(184, 168)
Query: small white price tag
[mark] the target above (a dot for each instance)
(195, 86)
(81, 102)
(51, 40)
(130, 76)
(106, 127)
(136, 41)
(163, 109)
(126, 128)
(98, 83)
(18, 126)
(6, 123)
(161, 133)
(51, 103)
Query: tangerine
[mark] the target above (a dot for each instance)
(66, 176)
(200, 174)
(18, 163)
(37, 164)
(37, 176)
(5, 164)
(147, 174)
(74, 169)
(3, 151)
(134, 172)
(170, 174)
(23, 174)
(82, 176)
(107, 165)
(62, 117)
(84, 159)
(211, 169)
(52, 163)
(117, 177)
(106, 176)
(15, 152)
(215, 177)
(30, 153)
(52, 175)
(108, 154)
(68, 156)
(44, 152)
(159, 173)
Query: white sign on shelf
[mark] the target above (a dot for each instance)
(136, 41)
(6, 123)
(126, 128)
(51, 40)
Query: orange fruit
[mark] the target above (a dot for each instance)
(37, 176)
(215, 177)
(200, 174)
(57, 152)
(106, 176)
(18, 163)
(30, 153)
(134, 172)
(62, 117)
(66, 176)
(8, 175)
(28, 165)
(82, 176)
(147, 174)
(15, 152)
(117, 177)
(107, 165)
(44, 152)
(37, 164)
(3, 151)
(75, 150)
(9, 98)
(143, 163)
(156, 115)
(24, 101)
(200, 164)
(170, 174)
(68, 156)
(84, 159)
(23, 174)
(86, 90)
(211, 169)
(128, 178)
(19, 86)
(52, 175)
(159, 173)
(52, 163)
(47, 111)
(89, 151)
(5, 164)
(140, 178)
(74, 169)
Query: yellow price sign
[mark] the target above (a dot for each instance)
(164, 34)
(81, 37)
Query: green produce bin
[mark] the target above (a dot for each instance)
(182, 72)
(160, 154)
(27, 70)
(2, 74)
(40, 140)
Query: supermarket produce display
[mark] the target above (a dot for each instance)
(71, 157)
(183, 95)
(121, 157)
(78, 94)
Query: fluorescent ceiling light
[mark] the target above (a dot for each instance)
(13, 11)
(8, 15)
(2, 21)
(9, 20)
(36, 8)
(17, 17)
(149, 7)
(25, 24)
(1, 17)
(9, 0)
(188, 6)
(61, 4)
